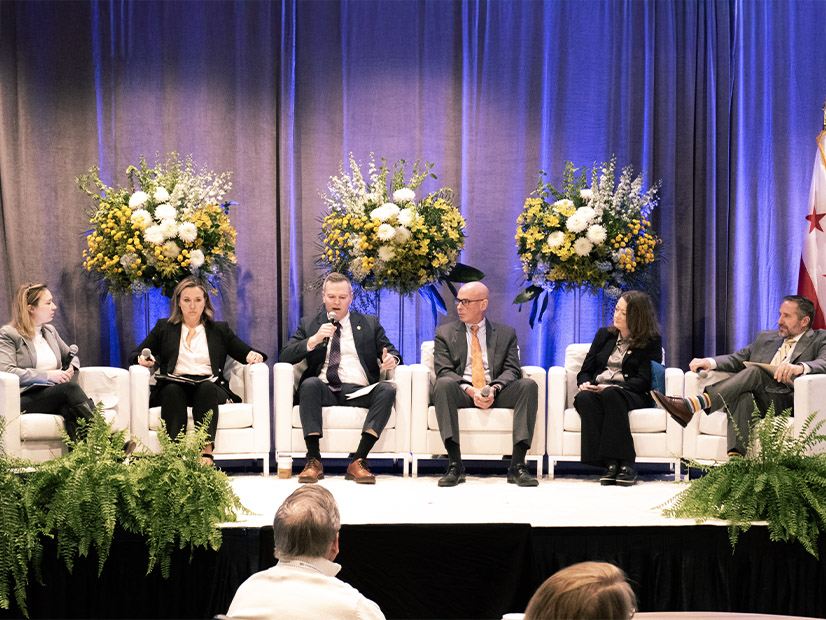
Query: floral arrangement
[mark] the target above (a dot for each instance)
(169, 223)
(382, 238)
(590, 237)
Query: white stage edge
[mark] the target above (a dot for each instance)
(562, 502)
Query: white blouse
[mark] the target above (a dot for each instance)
(193, 358)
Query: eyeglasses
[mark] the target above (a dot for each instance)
(467, 302)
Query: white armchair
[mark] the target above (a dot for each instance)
(243, 428)
(36, 436)
(485, 433)
(657, 438)
(705, 438)
(342, 425)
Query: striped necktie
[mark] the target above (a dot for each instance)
(783, 351)
(333, 363)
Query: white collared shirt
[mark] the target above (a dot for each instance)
(483, 342)
(350, 369)
(300, 588)
(193, 358)
(46, 359)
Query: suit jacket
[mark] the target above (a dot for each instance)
(18, 356)
(165, 340)
(450, 352)
(636, 363)
(368, 335)
(810, 348)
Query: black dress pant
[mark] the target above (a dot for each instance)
(606, 429)
(65, 399)
(174, 398)
(315, 394)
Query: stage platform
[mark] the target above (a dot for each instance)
(478, 550)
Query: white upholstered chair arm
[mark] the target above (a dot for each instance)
(402, 377)
(283, 404)
(257, 394)
(674, 386)
(10, 412)
(109, 386)
(419, 404)
(557, 397)
(540, 376)
(810, 397)
(139, 397)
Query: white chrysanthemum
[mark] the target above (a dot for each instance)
(161, 195)
(405, 194)
(407, 217)
(358, 270)
(169, 228)
(596, 234)
(171, 249)
(555, 239)
(380, 214)
(188, 232)
(586, 194)
(586, 213)
(137, 199)
(386, 253)
(563, 203)
(386, 232)
(141, 217)
(165, 212)
(153, 235)
(576, 224)
(402, 235)
(196, 259)
(583, 247)
(128, 259)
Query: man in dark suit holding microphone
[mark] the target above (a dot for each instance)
(345, 351)
(477, 365)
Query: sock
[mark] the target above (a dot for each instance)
(454, 453)
(368, 440)
(519, 451)
(695, 403)
(313, 451)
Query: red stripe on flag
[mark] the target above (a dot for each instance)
(806, 287)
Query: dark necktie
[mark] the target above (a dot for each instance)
(333, 379)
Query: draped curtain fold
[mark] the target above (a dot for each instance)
(718, 98)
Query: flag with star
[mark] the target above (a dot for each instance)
(812, 279)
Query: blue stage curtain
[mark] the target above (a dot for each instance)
(719, 99)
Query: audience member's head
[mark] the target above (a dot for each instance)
(307, 524)
(586, 591)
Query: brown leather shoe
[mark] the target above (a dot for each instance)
(313, 471)
(358, 471)
(675, 407)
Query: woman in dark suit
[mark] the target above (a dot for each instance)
(31, 349)
(191, 345)
(616, 378)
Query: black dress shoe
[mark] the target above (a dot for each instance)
(129, 447)
(518, 475)
(455, 475)
(627, 476)
(609, 476)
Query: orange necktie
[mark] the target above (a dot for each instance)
(477, 368)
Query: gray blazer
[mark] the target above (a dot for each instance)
(450, 352)
(811, 348)
(18, 356)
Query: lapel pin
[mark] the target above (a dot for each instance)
(358, 327)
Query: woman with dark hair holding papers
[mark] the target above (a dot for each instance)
(616, 378)
(189, 350)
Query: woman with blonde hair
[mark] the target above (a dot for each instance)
(189, 349)
(31, 348)
(585, 591)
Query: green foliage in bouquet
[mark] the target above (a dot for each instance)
(780, 481)
(180, 502)
(379, 235)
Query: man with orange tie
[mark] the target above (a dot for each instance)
(477, 365)
(793, 348)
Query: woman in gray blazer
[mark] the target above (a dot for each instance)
(31, 348)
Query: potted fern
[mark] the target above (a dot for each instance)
(781, 481)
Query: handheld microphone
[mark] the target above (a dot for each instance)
(72, 353)
(702, 373)
(331, 318)
(485, 391)
(147, 355)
